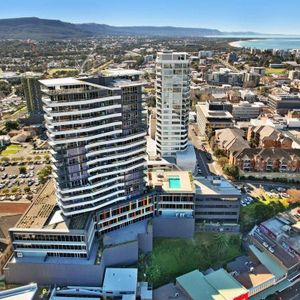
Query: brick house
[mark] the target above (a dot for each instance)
(267, 160)
(268, 137)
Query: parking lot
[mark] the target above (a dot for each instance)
(19, 180)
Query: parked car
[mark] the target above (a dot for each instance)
(271, 250)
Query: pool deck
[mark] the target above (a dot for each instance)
(161, 179)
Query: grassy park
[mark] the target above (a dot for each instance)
(275, 71)
(11, 149)
(172, 257)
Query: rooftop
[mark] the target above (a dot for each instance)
(270, 263)
(120, 72)
(44, 213)
(257, 276)
(214, 186)
(171, 181)
(26, 292)
(60, 81)
(217, 285)
(216, 114)
(120, 279)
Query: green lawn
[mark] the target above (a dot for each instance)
(172, 257)
(11, 149)
(279, 71)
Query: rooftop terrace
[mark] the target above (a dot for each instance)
(172, 181)
(44, 213)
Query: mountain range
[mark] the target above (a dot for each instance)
(43, 29)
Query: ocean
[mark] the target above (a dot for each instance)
(270, 43)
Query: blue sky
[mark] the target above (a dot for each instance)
(266, 16)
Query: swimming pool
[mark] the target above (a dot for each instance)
(174, 183)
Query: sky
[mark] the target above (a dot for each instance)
(264, 16)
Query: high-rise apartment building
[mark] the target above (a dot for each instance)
(32, 92)
(172, 102)
(96, 129)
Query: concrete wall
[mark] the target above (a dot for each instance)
(145, 240)
(60, 274)
(124, 254)
(173, 227)
(88, 274)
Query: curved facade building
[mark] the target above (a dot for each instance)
(96, 129)
(172, 102)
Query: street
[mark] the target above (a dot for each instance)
(292, 293)
(202, 162)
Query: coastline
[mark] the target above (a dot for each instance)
(237, 44)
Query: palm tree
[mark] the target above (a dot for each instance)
(221, 243)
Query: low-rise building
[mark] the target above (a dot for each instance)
(268, 137)
(230, 140)
(215, 285)
(283, 102)
(258, 70)
(245, 111)
(217, 204)
(211, 117)
(226, 76)
(267, 160)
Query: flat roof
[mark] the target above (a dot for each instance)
(217, 114)
(271, 264)
(120, 279)
(61, 81)
(26, 292)
(257, 276)
(44, 213)
(161, 179)
(121, 72)
(214, 186)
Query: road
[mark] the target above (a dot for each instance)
(292, 293)
(267, 184)
(87, 58)
(228, 65)
(202, 162)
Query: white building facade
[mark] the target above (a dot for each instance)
(97, 135)
(172, 102)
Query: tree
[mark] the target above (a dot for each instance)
(263, 212)
(219, 152)
(44, 174)
(11, 125)
(5, 88)
(5, 191)
(22, 170)
(220, 244)
(222, 161)
(232, 171)
(14, 189)
(26, 189)
(5, 159)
